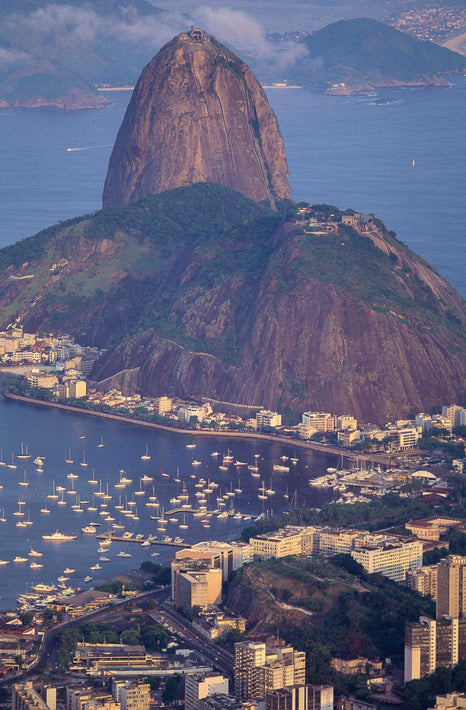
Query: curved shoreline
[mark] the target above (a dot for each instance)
(314, 446)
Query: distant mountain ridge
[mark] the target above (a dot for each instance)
(202, 292)
(361, 54)
(53, 53)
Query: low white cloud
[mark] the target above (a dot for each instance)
(233, 27)
(9, 58)
(247, 35)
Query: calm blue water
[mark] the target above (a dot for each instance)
(346, 151)
(52, 434)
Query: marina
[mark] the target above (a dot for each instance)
(121, 498)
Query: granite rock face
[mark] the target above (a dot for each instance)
(197, 114)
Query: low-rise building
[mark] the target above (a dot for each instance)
(450, 701)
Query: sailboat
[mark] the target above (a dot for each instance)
(146, 456)
(183, 525)
(2, 462)
(53, 495)
(93, 481)
(24, 452)
(3, 519)
(141, 491)
(45, 510)
(68, 458)
(83, 462)
(101, 445)
(12, 464)
(24, 482)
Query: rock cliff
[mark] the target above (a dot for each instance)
(203, 292)
(197, 114)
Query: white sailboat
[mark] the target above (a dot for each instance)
(24, 452)
(146, 456)
(68, 458)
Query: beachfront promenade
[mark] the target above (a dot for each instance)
(356, 456)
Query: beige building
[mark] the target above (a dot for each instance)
(266, 419)
(24, 697)
(260, 667)
(221, 550)
(451, 587)
(199, 588)
(82, 698)
(283, 542)
(197, 576)
(433, 528)
(131, 695)
(300, 697)
(313, 422)
(431, 644)
(450, 701)
(42, 379)
(423, 580)
(163, 405)
(78, 388)
(199, 686)
(333, 541)
(387, 555)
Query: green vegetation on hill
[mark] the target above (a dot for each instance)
(352, 613)
(158, 263)
(365, 51)
(389, 511)
(54, 48)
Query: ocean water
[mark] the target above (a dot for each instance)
(349, 151)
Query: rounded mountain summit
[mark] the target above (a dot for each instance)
(197, 114)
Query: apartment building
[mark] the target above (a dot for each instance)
(196, 577)
(450, 701)
(389, 556)
(314, 422)
(451, 587)
(82, 698)
(131, 695)
(300, 697)
(260, 667)
(199, 686)
(423, 580)
(281, 543)
(433, 643)
(25, 697)
(266, 419)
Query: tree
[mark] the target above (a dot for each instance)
(171, 689)
(26, 618)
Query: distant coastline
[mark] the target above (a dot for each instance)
(315, 446)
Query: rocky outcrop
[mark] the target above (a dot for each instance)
(197, 114)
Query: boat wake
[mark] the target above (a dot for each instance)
(91, 147)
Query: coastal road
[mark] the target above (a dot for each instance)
(48, 653)
(217, 656)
